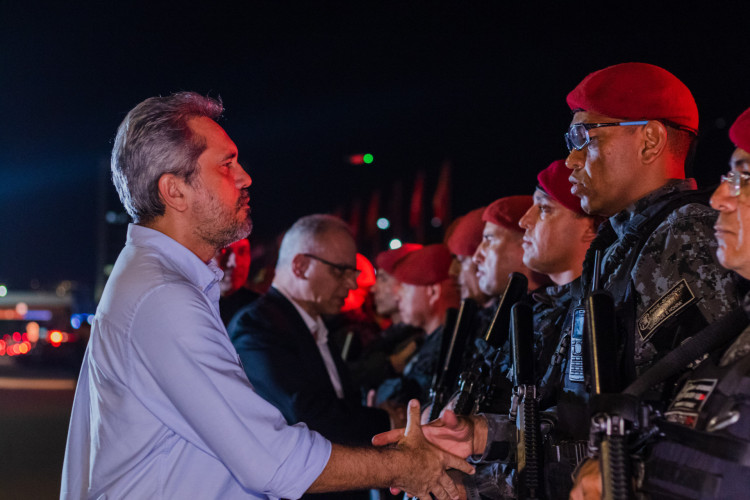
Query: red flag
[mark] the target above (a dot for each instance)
(355, 217)
(441, 200)
(373, 212)
(415, 211)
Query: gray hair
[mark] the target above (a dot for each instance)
(155, 139)
(305, 236)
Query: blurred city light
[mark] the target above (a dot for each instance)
(383, 223)
(55, 337)
(3, 290)
(32, 330)
(394, 244)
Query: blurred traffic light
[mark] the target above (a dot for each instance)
(361, 159)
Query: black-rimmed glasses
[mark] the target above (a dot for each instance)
(736, 180)
(341, 270)
(578, 137)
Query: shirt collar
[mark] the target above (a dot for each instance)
(176, 256)
(620, 220)
(313, 324)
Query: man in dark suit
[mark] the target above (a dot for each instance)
(282, 340)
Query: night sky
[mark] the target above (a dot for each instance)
(306, 84)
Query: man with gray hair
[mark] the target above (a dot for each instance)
(282, 340)
(163, 408)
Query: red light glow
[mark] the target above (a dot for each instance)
(23, 347)
(16, 337)
(55, 337)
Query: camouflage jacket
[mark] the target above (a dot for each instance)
(675, 272)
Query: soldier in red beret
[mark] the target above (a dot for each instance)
(386, 286)
(462, 238)
(632, 132)
(717, 383)
(557, 234)
(427, 291)
(387, 356)
(501, 251)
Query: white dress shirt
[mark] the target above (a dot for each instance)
(320, 332)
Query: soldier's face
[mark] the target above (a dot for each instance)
(414, 305)
(384, 293)
(234, 260)
(219, 202)
(733, 224)
(555, 239)
(605, 172)
(464, 269)
(499, 254)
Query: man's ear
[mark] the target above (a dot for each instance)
(654, 143)
(433, 293)
(172, 192)
(300, 264)
(591, 229)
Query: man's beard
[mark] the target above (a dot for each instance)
(219, 226)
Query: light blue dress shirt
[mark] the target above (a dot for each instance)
(163, 408)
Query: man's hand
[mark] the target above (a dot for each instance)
(401, 358)
(588, 482)
(411, 464)
(461, 436)
(425, 472)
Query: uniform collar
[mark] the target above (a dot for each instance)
(620, 220)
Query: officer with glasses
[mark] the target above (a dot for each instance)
(701, 451)
(282, 339)
(633, 131)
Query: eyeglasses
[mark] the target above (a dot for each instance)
(578, 137)
(736, 180)
(341, 271)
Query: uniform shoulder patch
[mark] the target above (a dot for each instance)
(669, 305)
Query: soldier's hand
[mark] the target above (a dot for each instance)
(588, 482)
(426, 465)
(460, 436)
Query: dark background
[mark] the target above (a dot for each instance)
(306, 84)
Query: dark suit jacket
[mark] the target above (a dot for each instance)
(284, 365)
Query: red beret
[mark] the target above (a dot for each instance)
(636, 91)
(739, 132)
(387, 260)
(554, 181)
(426, 266)
(506, 212)
(466, 234)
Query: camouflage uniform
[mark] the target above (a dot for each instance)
(494, 477)
(712, 404)
(665, 293)
(417, 377)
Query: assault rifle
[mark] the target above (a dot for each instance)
(525, 405)
(613, 415)
(473, 383)
(456, 332)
